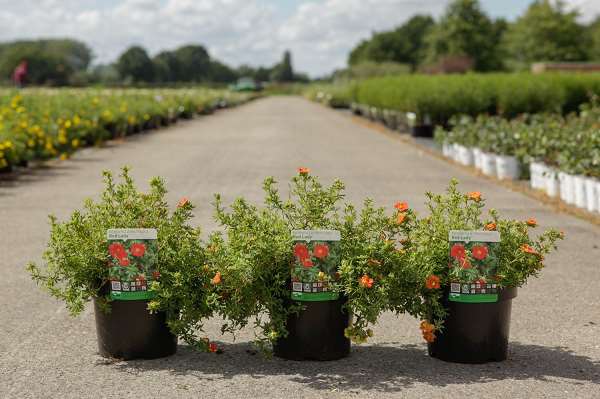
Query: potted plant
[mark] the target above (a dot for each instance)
(312, 274)
(130, 255)
(471, 267)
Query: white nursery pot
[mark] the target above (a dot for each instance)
(552, 184)
(567, 187)
(591, 194)
(447, 149)
(579, 190)
(507, 167)
(465, 155)
(598, 195)
(477, 157)
(488, 163)
(455, 152)
(534, 174)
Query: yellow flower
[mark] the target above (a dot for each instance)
(75, 143)
(3, 163)
(64, 156)
(67, 124)
(31, 143)
(62, 139)
(76, 120)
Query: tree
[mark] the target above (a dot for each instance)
(193, 63)
(546, 32)
(50, 62)
(283, 72)
(166, 67)
(594, 39)
(402, 45)
(135, 65)
(465, 31)
(221, 73)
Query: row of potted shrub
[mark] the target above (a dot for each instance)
(563, 153)
(361, 259)
(37, 124)
(440, 97)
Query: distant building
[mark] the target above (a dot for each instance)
(541, 67)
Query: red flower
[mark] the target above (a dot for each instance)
(303, 171)
(124, 261)
(216, 280)
(212, 347)
(490, 226)
(307, 262)
(137, 249)
(458, 251)
(479, 252)
(301, 251)
(401, 206)
(464, 263)
(117, 250)
(531, 222)
(432, 282)
(321, 251)
(155, 275)
(528, 249)
(366, 281)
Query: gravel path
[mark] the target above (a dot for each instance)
(555, 349)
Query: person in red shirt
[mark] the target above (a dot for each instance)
(20, 74)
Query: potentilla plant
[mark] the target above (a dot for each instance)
(80, 262)
(518, 256)
(258, 258)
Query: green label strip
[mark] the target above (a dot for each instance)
(473, 298)
(131, 296)
(315, 296)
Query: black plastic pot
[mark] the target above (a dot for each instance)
(316, 333)
(422, 131)
(129, 332)
(475, 332)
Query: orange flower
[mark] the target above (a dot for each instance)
(426, 327)
(475, 196)
(366, 281)
(490, 226)
(401, 218)
(216, 279)
(303, 171)
(528, 249)
(401, 206)
(432, 282)
(183, 202)
(429, 337)
(531, 222)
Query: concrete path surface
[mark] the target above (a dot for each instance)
(44, 353)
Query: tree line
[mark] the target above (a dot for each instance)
(60, 62)
(466, 38)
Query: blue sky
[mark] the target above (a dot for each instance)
(320, 33)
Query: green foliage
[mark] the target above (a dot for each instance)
(465, 30)
(429, 250)
(546, 32)
(283, 72)
(438, 98)
(403, 45)
(78, 262)
(50, 62)
(42, 124)
(135, 65)
(255, 257)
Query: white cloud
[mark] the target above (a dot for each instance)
(319, 33)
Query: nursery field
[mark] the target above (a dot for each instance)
(39, 124)
(553, 352)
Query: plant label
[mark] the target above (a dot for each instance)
(132, 263)
(473, 265)
(316, 261)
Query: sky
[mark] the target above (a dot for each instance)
(320, 33)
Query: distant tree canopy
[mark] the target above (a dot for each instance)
(402, 45)
(547, 31)
(52, 61)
